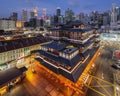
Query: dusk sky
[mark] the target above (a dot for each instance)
(9, 6)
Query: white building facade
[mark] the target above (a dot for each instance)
(7, 24)
(113, 16)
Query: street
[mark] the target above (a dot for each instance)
(40, 83)
(105, 72)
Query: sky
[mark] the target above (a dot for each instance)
(86, 6)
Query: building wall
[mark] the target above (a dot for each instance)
(19, 24)
(15, 57)
(72, 35)
(68, 56)
(7, 25)
(24, 15)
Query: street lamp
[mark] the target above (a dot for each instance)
(117, 88)
(93, 65)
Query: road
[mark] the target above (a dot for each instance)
(44, 84)
(105, 72)
(41, 83)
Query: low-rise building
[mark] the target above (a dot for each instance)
(15, 56)
(7, 24)
(14, 51)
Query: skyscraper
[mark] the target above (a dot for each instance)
(35, 10)
(14, 16)
(44, 17)
(34, 13)
(31, 14)
(118, 13)
(69, 15)
(58, 11)
(113, 16)
(106, 18)
(24, 15)
(81, 17)
(58, 18)
(55, 19)
(94, 15)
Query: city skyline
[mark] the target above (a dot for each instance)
(76, 5)
(59, 48)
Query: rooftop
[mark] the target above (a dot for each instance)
(72, 29)
(69, 50)
(70, 69)
(56, 45)
(8, 45)
(61, 60)
(9, 75)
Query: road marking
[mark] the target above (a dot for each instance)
(102, 76)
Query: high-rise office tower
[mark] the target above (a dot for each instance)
(31, 14)
(55, 19)
(94, 16)
(118, 13)
(69, 15)
(58, 11)
(35, 10)
(14, 16)
(106, 18)
(34, 13)
(44, 17)
(113, 16)
(24, 15)
(81, 17)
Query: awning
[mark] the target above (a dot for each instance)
(8, 75)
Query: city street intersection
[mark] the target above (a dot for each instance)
(42, 83)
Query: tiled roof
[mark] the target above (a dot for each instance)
(62, 60)
(55, 45)
(8, 45)
(8, 75)
(76, 72)
(71, 29)
(52, 57)
(70, 50)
